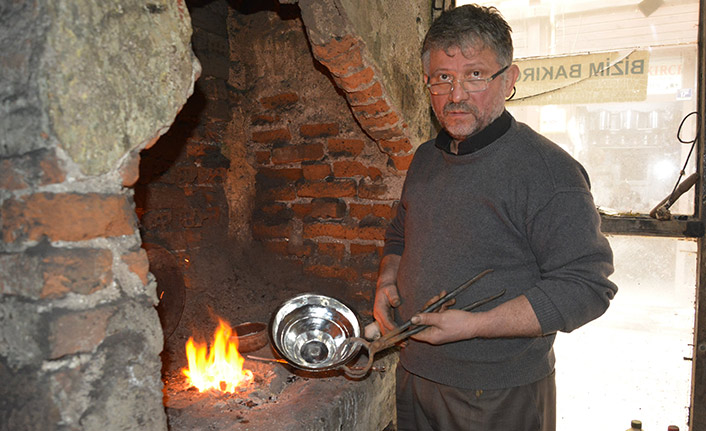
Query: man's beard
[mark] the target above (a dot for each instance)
(461, 131)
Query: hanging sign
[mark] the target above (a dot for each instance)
(587, 78)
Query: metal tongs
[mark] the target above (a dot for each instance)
(406, 330)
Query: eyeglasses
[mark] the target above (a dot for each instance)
(473, 85)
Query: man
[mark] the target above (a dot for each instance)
(487, 193)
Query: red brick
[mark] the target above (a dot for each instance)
(356, 81)
(78, 332)
(164, 196)
(328, 189)
(328, 208)
(316, 171)
(402, 162)
(50, 171)
(335, 249)
(365, 96)
(272, 208)
(283, 193)
(338, 272)
(67, 217)
(359, 211)
(262, 157)
(345, 64)
(302, 210)
(37, 168)
(397, 146)
(336, 230)
(372, 191)
(157, 220)
(374, 173)
(345, 147)
(297, 153)
(319, 229)
(83, 271)
(357, 249)
(46, 272)
(391, 133)
(199, 149)
(384, 211)
(319, 130)
(371, 233)
(279, 101)
(334, 47)
(262, 231)
(383, 122)
(262, 119)
(377, 109)
(138, 263)
(291, 174)
(10, 179)
(349, 169)
(276, 136)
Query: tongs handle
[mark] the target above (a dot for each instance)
(416, 330)
(402, 332)
(387, 339)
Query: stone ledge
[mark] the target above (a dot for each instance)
(334, 403)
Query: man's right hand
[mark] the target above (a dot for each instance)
(386, 295)
(386, 298)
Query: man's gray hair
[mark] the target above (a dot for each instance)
(467, 27)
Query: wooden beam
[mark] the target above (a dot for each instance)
(681, 227)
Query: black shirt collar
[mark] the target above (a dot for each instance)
(479, 139)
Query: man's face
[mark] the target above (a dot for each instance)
(462, 113)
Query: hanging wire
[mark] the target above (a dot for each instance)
(691, 150)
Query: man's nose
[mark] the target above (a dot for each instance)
(458, 93)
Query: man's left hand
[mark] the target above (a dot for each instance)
(445, 326)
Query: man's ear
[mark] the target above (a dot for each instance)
(513, 72)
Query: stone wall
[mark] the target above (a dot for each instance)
(85, 86)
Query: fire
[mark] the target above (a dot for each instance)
(221, 368)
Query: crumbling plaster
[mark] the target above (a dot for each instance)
(393, 37)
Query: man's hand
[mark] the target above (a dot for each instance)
(514, 318)
(444, 327)
(386, 295)
(386, 298)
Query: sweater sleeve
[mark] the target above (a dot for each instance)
(574, 259)
(394, 235)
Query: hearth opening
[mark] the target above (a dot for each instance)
(266, 186)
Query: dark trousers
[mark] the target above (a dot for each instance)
(423, 405)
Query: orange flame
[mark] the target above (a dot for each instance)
(221, 368)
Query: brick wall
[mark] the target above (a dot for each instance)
(286, 145)
(329, 151)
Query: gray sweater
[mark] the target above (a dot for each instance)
(522, 207)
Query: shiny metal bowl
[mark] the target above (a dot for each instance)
(308, 329)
